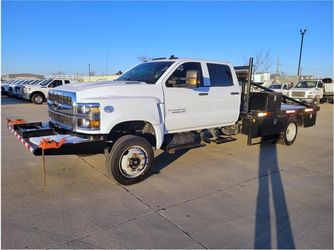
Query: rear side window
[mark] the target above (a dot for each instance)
(56, 83)
(67, 81)
(220, 75)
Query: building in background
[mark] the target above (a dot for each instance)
(263, 77)
(21, 76)
(84, 78)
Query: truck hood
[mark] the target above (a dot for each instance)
(110, 89)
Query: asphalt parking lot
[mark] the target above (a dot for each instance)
(220, 196)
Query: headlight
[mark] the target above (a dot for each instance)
(26, 90)
(88, 109)
(88, 123)
(88, 116)
(310, 94)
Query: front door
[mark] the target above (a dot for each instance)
(185, 106)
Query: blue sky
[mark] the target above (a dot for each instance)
(47, 37)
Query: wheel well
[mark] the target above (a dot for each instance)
(139, 128)
(37, 92)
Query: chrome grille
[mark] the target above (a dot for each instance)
(17, 89)
(61, 119)
(61, 101)
(298, 94)
(60, 98)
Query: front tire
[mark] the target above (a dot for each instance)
(130, 159)
(316, 101)
(37, 98)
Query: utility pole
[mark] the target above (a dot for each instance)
(302, 32)
(277, 66)
(89, 71)
(107, 60)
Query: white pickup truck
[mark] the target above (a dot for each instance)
(38, 93)
(280, 87)
(310, 91)
(169, 104)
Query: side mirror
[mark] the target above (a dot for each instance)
(192, 78)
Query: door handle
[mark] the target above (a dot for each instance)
(203, 94)
(234, 93)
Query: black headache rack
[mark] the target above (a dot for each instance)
(38, 136)
(268, 113)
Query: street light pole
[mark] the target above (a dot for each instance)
(302, 32)
(89, 71)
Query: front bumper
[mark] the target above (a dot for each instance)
(26, 96)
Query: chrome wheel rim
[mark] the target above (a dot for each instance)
(38, 99)
(133, 162)
(291, 132)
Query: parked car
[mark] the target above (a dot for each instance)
(11, 86)
(309, 91)
(39, 92)
(281, 88)
(18, 90)
(15, 91)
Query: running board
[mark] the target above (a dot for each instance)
(219, 140)
(173, 149)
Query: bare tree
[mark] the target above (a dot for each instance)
(262, 61)
(144, 58)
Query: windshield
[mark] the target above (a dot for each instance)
(19, 82)
(27, 82)
(146, 72)
(275, 86)
(34, 82)
(306, 84)
(46, 82)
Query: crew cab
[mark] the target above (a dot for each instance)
(38, 93)
(169, 104)
(310, 91)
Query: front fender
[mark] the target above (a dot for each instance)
(133, 109)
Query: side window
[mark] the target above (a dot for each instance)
(285, 86)
(220, 75)
(67, 81)
(192, 71)
(320, 85)
(55, 83)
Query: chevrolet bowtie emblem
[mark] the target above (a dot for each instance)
(56, 105)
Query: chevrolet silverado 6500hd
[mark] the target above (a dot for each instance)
(169, 104)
